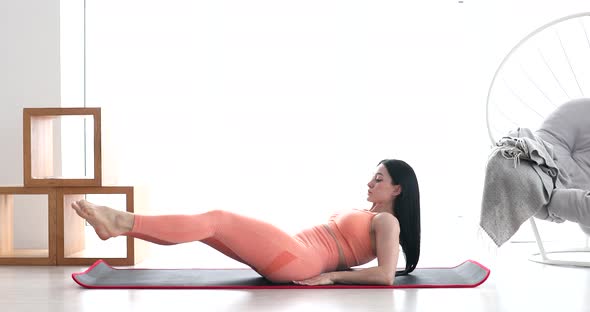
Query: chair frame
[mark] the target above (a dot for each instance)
(542, 256)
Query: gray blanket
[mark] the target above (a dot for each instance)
(521, 175)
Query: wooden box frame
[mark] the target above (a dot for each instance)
(68, 220)
(7, 225)
(43, 130)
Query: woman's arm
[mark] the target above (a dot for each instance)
(387, 231)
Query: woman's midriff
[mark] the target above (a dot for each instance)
(342, 264)
(347, 258)
(324, 241)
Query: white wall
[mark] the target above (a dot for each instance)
(448, 75)
(188, 75)
(280, 110)
(29, 77)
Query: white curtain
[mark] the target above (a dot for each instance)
(281, 109)
(276, 109)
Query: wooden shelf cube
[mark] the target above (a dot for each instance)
(18, 201)
(73, 234)
(43, 136)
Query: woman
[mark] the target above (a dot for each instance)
(319, 255)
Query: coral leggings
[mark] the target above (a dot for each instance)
(274, 254)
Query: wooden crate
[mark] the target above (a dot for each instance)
(11, 255)
(71, 233)
(39, 144)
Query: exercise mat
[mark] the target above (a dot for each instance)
(101, 275)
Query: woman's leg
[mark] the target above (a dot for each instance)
(270, 251)
(174, 220)
(109, 223)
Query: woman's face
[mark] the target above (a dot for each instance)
(381, 190)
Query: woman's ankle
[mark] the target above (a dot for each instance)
(125, 221)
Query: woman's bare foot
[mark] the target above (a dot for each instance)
(107, 222)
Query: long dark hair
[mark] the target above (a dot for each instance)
(406, 210)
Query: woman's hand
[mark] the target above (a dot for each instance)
(322, 279)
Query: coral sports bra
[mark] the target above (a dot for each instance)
(353, 232)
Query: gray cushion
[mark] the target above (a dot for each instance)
(568, 130)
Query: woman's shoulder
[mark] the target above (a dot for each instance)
(385, 219)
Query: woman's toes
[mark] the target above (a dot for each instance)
(80, 210)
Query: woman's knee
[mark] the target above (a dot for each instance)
(218, 215)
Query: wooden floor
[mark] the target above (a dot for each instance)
(515, 284)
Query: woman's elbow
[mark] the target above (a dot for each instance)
(387, 279)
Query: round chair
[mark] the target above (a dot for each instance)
(542, 84)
